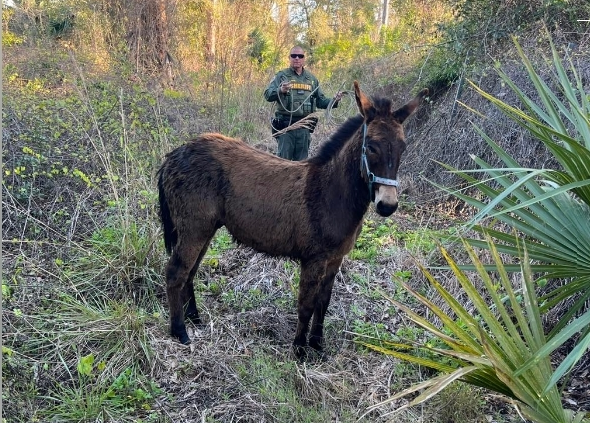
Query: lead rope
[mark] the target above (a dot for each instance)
(370, 175)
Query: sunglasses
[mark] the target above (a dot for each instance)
(298, 56)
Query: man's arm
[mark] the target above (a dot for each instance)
(322, 102)
(272, 91)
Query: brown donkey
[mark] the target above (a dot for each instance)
(311, 210)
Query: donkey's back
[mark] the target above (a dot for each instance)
(216, 181)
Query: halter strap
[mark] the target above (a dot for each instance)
(365, 166)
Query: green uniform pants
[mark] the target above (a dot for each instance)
(294, 145)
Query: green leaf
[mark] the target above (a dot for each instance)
(571, 329)
(85, 365)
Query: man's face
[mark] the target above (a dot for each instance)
(297, 58)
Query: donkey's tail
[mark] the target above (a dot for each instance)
(170, 235)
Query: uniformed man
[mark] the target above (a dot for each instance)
(297, 93)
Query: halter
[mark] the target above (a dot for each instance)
(370, 175)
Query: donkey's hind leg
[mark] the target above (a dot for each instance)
(190, 310)
(316, 336)
(180, 266)
(188, 295)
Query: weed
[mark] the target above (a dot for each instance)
(88, 401)
(402, 275)
(376, 237)
(121, 257)
(373, 237)
(222, 241)
(279, 384)
(458, 403)
(372, 333)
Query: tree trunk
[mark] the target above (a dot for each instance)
(148, 36)
(211, 32)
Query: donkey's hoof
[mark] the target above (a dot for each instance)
(300, 352)
(182, 337)
(184, 340)
(194, 317)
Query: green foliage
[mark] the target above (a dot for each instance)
(491, 352)
(9, 38)
(260, 49)
(19, 384)
(221, 242)
(174, 94)
(379, 235)
(85, 365)
(361, 43)
(460, 402)
(243, 301)
(279, 383)
(373, 237)
(128, 393)
(502, 346)
(122, 257)
(372, 333)
(101, 365)
(445, 65)
(549, 207)
(490, 23)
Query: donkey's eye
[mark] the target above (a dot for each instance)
(371, 150)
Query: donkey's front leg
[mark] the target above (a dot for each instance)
(316, 336)
(312, 274)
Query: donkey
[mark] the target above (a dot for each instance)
(310, 211)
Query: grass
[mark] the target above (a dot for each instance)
(91, 356)
(280, 384)
(381, 237)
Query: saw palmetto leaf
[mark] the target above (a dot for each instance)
(549, 208)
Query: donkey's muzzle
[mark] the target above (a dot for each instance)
(385, 200)
(384, 209)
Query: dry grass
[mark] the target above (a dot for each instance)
(444, 133)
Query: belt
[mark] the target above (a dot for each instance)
(292, 119)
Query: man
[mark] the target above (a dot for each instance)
(297, 93)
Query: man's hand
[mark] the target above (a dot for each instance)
(284, 87)
(338, 96)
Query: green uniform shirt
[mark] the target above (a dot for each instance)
(303, 98)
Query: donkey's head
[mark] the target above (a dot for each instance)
(383, 145)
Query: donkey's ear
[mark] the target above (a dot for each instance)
(404, 112)
(364, 103)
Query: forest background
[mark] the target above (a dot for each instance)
(96, 93)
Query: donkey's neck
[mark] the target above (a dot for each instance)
(335, 178)
(349, 190)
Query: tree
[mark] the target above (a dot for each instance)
(148, 35)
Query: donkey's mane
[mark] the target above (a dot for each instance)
(338, 140)
(382, 106)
